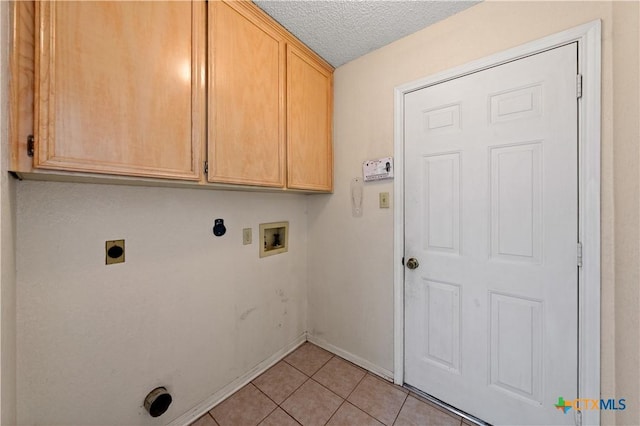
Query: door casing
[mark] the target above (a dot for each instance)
(588, 37)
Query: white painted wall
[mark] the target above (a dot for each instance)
(7, 241)
(350, 259)
(187, 310)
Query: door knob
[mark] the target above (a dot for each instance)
(412, 263)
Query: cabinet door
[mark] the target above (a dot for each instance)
(309, 130)
(119, 87)
(246, 97)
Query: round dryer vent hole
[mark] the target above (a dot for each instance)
(157, 402)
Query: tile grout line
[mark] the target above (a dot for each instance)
(326, 388)
(288, 414)
(267, 396)
(307, 378)
(356, 387)
(325, 363)
(289, 396)
(332, 356)
(311, 378)
(334, 413)
(291, 365)
(210, 415)
(352, 390)
(292, 392)
(343, 399)
(406, 396)
(320, 384)
(367, 373)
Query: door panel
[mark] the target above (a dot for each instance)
(442, 309)
(516, 343)
(491, 215)
(442, 203)
(516, 202)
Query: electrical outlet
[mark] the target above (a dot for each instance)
(114, 252)
(384, 200)
(246, 236)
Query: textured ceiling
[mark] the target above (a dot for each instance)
(342, 30)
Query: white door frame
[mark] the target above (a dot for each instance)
(588, 38)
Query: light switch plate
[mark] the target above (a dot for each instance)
(246, 236)
(384, 200)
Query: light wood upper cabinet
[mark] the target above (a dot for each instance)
(256, 116)
(309, 129)
(246, 143)
(115, 90)
(119, 88)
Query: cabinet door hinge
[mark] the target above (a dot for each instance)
(579, 86)
(579, 255)
(206, 167)
(30, 145)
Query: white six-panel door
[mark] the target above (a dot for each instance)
(491, 216)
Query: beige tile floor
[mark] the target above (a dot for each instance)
(313, 387)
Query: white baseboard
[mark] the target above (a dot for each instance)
(206, 405)
(367, 365)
